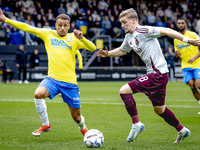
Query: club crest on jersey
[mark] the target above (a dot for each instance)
(136, 41)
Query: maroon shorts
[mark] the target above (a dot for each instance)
(153, 85)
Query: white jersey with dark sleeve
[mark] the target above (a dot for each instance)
(145, 43)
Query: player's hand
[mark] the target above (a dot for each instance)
(194, 42)
(102, 53)
(78, 34)
(191, 60)
(178, 54)
(17, 65)
(2, 16)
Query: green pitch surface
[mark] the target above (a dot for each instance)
(103, 110)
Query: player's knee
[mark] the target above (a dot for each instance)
(125, 89)
(192, 87)
(39, 95)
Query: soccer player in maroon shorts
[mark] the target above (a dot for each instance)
(143, 40)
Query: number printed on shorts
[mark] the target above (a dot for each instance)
(144, 78)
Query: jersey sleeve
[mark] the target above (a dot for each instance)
(153, 32)
(39, 32)
(125, 46)
(22, 26)
(80, 60)
(86, 44)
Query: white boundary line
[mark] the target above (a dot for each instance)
(104, 103)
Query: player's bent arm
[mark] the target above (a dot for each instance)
(22, 26)
(80, 60)
(116, 52)
(89, 45)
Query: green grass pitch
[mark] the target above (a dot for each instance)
(103, 110)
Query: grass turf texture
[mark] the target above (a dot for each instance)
(103, 110)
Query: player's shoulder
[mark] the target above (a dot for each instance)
(191, 33)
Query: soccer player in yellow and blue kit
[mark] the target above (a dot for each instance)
(189, 55)
(61, 48)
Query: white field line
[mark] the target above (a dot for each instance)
(84, 101)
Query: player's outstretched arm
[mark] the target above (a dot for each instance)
(174, 34)
(18, 25)
(114, 53)
(89, 45)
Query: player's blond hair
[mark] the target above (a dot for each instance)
(63, 17)
(130, 13)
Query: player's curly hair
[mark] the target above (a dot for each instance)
(63, 17)
(130, 13)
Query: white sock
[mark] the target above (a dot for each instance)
(199, 102)
(81, 125)
(42, 110)
(137, 124)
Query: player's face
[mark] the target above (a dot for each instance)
(62, 27)
(181, 25)
(128, 24)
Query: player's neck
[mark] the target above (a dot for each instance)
(183, 32)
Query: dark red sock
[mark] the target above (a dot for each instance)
(130, 106)
(171, 119)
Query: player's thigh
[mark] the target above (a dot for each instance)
(41, 92)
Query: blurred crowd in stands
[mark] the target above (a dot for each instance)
(98, 17)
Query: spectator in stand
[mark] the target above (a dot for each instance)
(50, 17)
(116, 27)
(38, 7)
(95, 16)
(22, 63)
(72, 27)
(21, 17)
(75, 17)
(169, 12)
(31, 8)
(61, 9)
(107, 26)
(3, 34)
(34, 59)
(151, 19)
(46, 25)
(5, 71)
(39, 19)
(170, 58)
(75, 4)
(29, 3)
(116, 14)
(21, 3)
(42, 12)
(70, 9)
(93, 5)
(102, 5)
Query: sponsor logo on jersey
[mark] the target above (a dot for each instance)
(59, 43)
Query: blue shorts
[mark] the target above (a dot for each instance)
(69, 91)
(190, 73)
